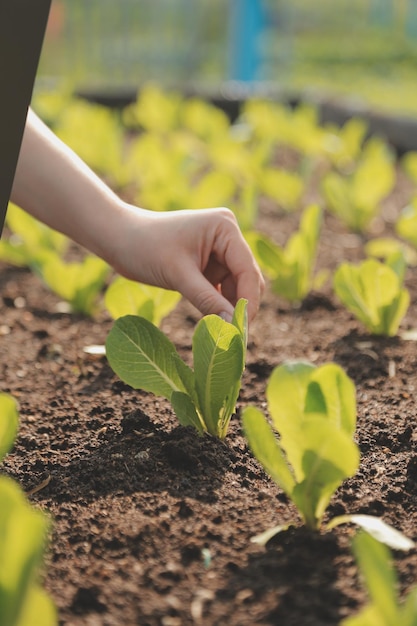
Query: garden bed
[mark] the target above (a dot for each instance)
(151, 523)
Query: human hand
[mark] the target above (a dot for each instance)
(200, 253)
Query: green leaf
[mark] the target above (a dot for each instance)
(268, 255)
(9, 422)
(283, 186)
(79, 283)
(22, 541)
(406, 225)
(369, 616)
(32, 233)
(128, 297)
(186, 411)
(314, 411)
(333, 393)
(356, 198)
(37, 603)
(388, 248)
(327, 456)
(266, 448)
(375, 565)
(286, 394)
(141, 355)
(218, 356)
(372, 291)
(408, 612)
(240, 319)
(290, 268)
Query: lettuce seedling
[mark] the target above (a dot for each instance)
(29, 239)
(406, 225)
(205, 398)
(95, 133)
(313, 410)
(356, 199)
(284, 187)
(78, 283)
(8, 424)
(373, 292)
(22, 540)
(344, 144)
(380, 578)
(291, 268)
(388, 248)
(127, 297)
(409, 164)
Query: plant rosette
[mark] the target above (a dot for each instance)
(313, 410)
(204, 397)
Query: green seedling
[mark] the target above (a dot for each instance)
(94, 132)
(9, 423)
(344, 144)
(380, 578)
(409, 164)
(291, 268)
(154, 110)
(29, 239)
(406, 225)
(215, 188)
(205, 398)
(284, 187)
(386, 248)
(374, 293)
(313, 412)
(22, 542)
(356, 199)
(127, 297)
(203, 119)
(78, 283)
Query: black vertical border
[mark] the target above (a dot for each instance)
(22, 30)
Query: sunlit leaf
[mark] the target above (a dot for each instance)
(9, 421)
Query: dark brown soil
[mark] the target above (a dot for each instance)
(152, 524)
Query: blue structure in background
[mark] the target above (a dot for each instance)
(247, 22)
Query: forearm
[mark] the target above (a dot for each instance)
(56, 186)
(202, 254)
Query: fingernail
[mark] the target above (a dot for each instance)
(227, 317)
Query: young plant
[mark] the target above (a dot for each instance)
(22, 541)
(374, 293)
(284, 187)
(313, 410)
(127, 297)
(386, 248)
(376, 568)
(205, 398)
(356, 199)
(95, 133)
(291, 268)
(29, 239)
(344, 144)
(78, 283)
(406, 225)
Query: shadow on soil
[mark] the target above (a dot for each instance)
(300, 568)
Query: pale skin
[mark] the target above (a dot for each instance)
(202, 254)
